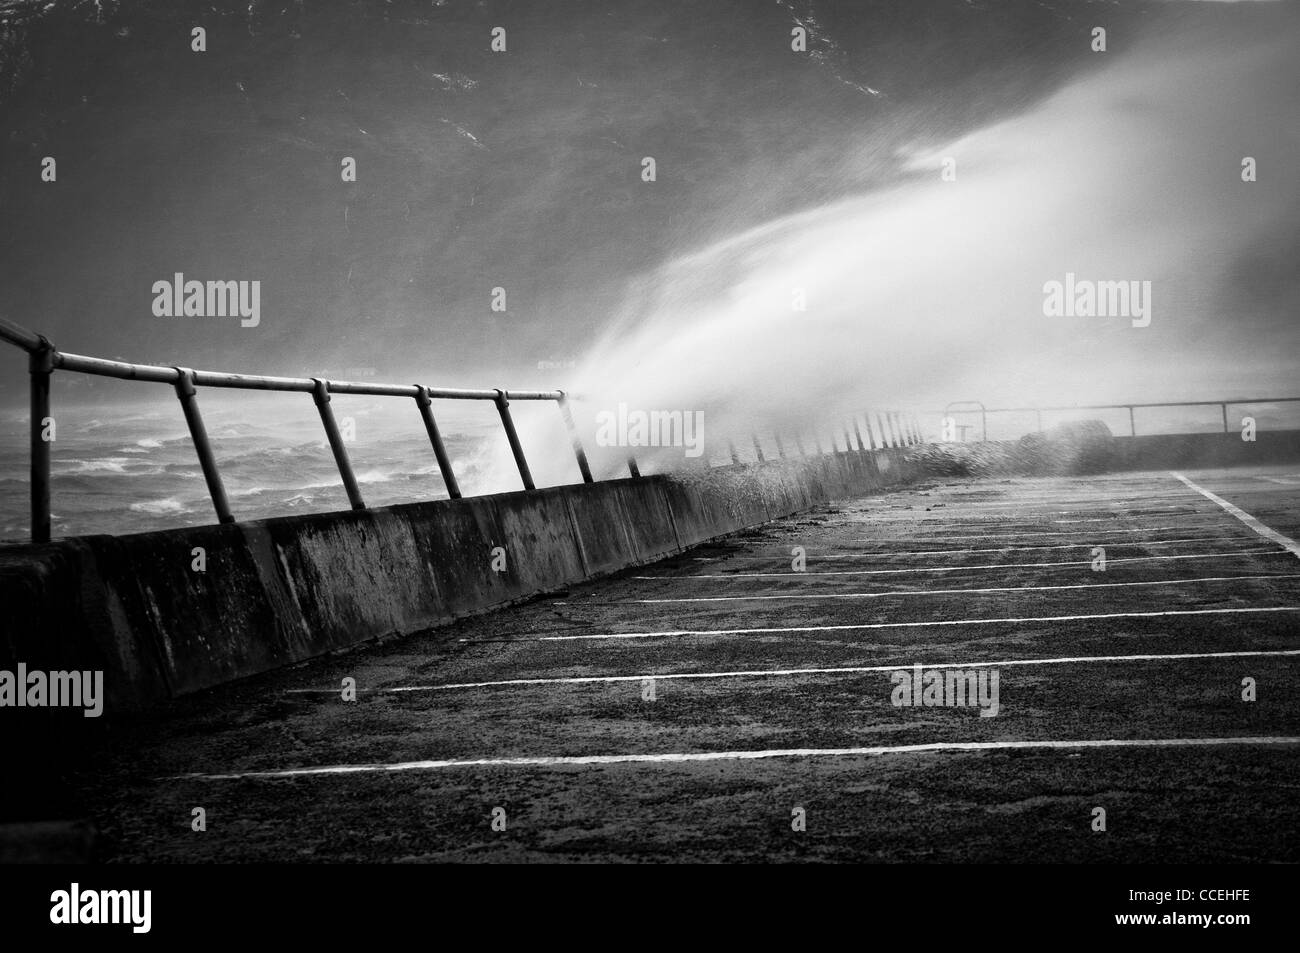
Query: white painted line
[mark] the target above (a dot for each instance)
(1016, 513)
(1015, 516)
(891, 572)
(896, 625)
(1012, 520)
(794, 672)
(939, 592)
(1286, 542)
(603, 759)
(913, 527)
(781, 557)
(1011, 499)
(1115, 516)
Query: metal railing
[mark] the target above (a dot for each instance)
(896, 428)
(978, 407)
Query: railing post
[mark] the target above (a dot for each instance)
(40, 365)
(1132, 424)
(817, 442)
(857, 432)
(735, 454)
(758, 448)
(870, 435)
(632, 467)
(780, 446)
(425, 403)
(578, 452)
(188, 396)
(893, 431)
(798, 443)
(503, 408)
(1225, 417)
(321, 394)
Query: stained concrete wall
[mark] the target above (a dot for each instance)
(282, 590)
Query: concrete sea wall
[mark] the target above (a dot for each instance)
(278, 591)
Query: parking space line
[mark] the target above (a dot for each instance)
(911, 569)
(932, 623)
(762, 754)
(936, 592)
(1023, 533)
(794, 672)
(1286, 542)
(817, 556)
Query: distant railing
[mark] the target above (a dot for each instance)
(896, 428)
(977, 407)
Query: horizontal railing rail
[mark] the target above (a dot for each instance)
(955, 408)
(893, 428)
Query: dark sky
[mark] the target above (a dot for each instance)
(225, 164)
(476, 169)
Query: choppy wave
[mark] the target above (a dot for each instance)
(102, 465)
(135, 477)
(169, 506)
